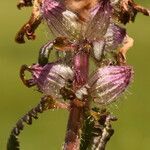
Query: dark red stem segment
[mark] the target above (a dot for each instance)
(81, 68)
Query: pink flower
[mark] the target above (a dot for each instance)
(109, 82)
(51, 78)
(104, 86)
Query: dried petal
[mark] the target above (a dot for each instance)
(109, 82)
(127, 10)
(98, 49)
(52, 12)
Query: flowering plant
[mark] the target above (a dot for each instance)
(82, 30)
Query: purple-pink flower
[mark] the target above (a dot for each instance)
(103, 86)
(99, 29)
(83, 29)
(109, 82)
(51, 78)
(63, 21)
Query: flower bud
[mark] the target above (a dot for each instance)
(114, 37)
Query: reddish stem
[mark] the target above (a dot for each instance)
(81, 68)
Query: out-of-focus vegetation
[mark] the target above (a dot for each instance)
(132, 130)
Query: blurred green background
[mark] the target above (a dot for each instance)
(132, 130)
